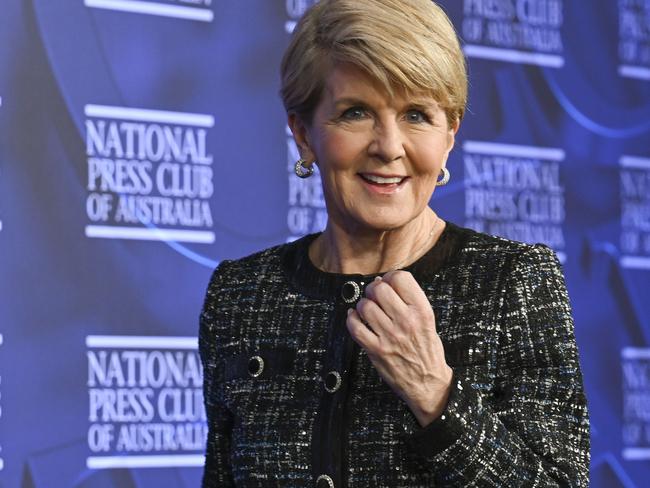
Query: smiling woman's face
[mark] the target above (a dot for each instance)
(379, 157)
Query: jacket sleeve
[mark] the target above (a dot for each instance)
(217, 472)
(533, 428)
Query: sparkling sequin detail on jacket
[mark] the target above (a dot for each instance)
(292, 401)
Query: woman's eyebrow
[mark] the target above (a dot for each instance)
(350, 101)
(421, 102)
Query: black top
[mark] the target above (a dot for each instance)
(293, 401)
(302, 273)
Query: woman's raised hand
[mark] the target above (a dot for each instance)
(396, 326)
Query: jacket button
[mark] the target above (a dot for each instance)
(324, 481)
(255, 366)
(350, 291)
(332, 381)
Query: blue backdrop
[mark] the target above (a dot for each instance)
(141, 142)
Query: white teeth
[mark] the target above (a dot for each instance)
(381, 180)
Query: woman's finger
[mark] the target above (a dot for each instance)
(374, 316)
(387, 298)
(361, 334)
(406, 286)
(409, 290)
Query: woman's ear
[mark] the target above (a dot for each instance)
(301, 137)
(453, 129)
(451, 140)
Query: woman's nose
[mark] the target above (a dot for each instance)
(387, 143)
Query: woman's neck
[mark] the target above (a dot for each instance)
(339, 250)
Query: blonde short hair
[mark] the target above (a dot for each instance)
(405, 45)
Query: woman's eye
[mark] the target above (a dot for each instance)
(416, 116)
(354, 113)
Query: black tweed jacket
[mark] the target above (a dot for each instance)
(292, 401)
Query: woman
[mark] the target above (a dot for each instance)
(393, 349)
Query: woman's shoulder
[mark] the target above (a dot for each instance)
(480, 247)
(485, 264)
(480, 242)
(264, 265)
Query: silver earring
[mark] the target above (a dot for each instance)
(303, 171)
(444, 172)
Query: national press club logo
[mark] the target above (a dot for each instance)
(198, 10)
(634, 39)
(634, 174)
(517, 31)
(636, 403)
(145, 402)
(149, 175)
(515, 192)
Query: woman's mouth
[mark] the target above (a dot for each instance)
(383, 183)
